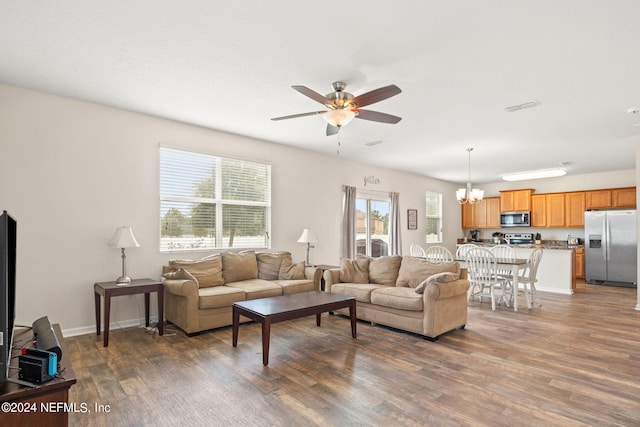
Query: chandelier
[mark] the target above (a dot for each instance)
(469, 195)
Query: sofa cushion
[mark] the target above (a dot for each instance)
(354, 270)
(291, 271)
(436, 278)
(219, 296)
(414, 270)
(383, 270)
(295, 286)
(207, 271)
(237, 266)
(180, 274)
(269, 264)
(400, 298)
(360, 291)
(257, 288)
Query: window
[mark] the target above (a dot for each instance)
(433, 217)
(372, 223)
(209, 202)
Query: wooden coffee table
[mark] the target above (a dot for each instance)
(287, 307)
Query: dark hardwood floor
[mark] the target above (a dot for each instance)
(573, 361)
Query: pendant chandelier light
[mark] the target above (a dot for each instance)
(468, 195)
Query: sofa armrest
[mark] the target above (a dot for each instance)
(315, 274)
(437, 291)
(331, 276)
(181, 287)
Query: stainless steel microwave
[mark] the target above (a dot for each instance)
(515, 219)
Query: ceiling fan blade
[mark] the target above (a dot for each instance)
(376, 116)
(376, 95)
(313, 95)
(332, 130)
(293, 116)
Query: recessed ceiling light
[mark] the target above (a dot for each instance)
(548, 173)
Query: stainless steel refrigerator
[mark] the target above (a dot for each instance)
(611, 244)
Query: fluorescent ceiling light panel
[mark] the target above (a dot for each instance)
(549, 173)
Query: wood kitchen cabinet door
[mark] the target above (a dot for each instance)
(539, 210)
(575, 207)
(624, 197)
(480, 214)
(579, 260)
(467, 216)
(515, 200)
(598, 199)
(493, 212)
(555, 210)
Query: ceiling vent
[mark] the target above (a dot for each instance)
(519, 107)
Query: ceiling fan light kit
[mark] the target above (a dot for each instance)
(344, 107)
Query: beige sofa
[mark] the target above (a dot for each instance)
(199, 294)
(406, 293)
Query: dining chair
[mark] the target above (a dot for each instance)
(461, 252)
(528, 279)
(507, 253)
(438, 254)
(416, 250)
(483, 276)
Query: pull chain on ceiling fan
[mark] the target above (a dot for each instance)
(344, 107)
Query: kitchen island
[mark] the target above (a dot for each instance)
(556, 272)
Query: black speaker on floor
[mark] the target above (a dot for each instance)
(45, 337)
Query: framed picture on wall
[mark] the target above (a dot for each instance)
(412, 219)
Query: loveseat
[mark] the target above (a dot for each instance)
(199, 293)
(404, 292)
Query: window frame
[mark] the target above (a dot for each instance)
(219, 241)
(430, 217)
(369, 196)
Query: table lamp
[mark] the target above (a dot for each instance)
(308, 237)
(123, 238)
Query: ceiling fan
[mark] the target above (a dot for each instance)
(343, 106)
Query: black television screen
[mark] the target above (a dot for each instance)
(7, 290)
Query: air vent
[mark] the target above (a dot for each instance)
(372, 143)
(519, 107)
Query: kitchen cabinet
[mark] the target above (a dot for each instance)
(555, 210)
(493, 212)
(611, 198)
(484, 214)
(624, 197)
(516, 200)
(575, 207)
(539, 210)
(579, 255)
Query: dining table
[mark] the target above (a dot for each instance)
(513, 264)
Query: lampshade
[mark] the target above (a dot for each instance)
(339, 117)
(307, 236)
(123, 238)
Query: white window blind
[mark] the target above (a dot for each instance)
(210, 202)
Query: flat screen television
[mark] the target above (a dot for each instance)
(7, 291)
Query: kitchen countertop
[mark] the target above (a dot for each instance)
(546, 244)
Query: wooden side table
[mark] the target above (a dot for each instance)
(137, 286)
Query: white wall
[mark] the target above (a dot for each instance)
(71, 172)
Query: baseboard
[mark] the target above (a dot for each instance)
(122, 324)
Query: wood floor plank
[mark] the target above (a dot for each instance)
(574, 361)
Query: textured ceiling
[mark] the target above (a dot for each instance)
(230, 66)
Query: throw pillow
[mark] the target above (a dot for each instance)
(354, 270)
(237, 266)
(414, 270)
(269, 264)
(291, 271)
(383, 270)
(180, 274)
(436, 278)
(207, 271)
